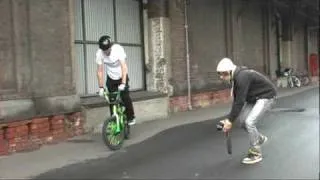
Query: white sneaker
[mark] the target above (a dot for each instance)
(132, 122)
(254, 156)
(252, 159)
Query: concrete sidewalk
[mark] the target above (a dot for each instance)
(82, 148)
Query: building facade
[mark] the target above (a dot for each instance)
(47, 51)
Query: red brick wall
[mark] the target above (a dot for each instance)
(199, 100)
(31, 134)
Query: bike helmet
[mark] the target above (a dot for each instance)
(104, 42)
(225, 65)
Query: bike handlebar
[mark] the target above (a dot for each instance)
(115, 97)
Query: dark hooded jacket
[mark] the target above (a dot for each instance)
(249, 86)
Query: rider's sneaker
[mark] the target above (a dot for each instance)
(254, 156)
(132, 122)
(263, 139)
(252, 159)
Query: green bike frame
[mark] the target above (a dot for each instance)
(117, 111)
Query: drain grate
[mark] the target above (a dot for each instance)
(288, 110)
(81, 141)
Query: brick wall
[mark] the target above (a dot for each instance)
(179, 101)
(36, 44)
(178, 77)
(31, 134)
(207, 41)
(207, 49)
(199, 100)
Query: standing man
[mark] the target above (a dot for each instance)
(253, 95)
(114, 57)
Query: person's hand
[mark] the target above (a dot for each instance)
(121, 87)
(101, 92)
(227, 125)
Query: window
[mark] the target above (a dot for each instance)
(121, 20)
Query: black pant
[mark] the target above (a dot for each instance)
(112, 86)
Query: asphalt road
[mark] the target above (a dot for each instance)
(197, 151)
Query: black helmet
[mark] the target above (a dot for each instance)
(104, 42)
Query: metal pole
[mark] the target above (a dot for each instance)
(187, 54)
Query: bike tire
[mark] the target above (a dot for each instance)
(126, 131)
(296, 81)
(306, 81)
(110, 123)
(126, 127)
(290, 82)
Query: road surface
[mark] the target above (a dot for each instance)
(197, 151)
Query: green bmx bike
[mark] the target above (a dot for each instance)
(115, 129)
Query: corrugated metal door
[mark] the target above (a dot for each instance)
(128, 29)
(121, 20)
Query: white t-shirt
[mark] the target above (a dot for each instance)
(112, 62)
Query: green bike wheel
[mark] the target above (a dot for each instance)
(126, 127)
(111, 138)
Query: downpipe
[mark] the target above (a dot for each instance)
(187, 53)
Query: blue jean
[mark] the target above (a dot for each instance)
(250, 115)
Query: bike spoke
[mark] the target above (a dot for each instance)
(114, 140)
(111, 134)
(110, 129)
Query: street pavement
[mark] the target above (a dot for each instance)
(197, 150)
(185, 145)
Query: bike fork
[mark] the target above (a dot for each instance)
(117, 118)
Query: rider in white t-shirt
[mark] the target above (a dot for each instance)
(114, 58)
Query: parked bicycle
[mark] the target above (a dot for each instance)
(115, 129)
(304, 78)
(293, 80)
